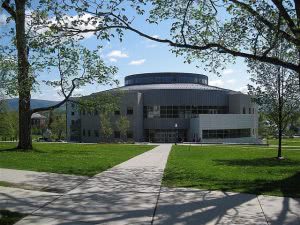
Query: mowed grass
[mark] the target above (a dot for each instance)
(286, 142)
(248, 169)
(9, 218)
(78, 159)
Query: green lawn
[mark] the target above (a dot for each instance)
(79, 159)
(248, 169)
(286, 142)
(9, 218)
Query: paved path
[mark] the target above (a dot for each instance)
(196, 207)
(52, 182)
(125, 194)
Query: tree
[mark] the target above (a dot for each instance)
(276, 92)
(104, 103)
(215, 32)
(58, 125)
(8, 120)
(123, 125)
(33, 47)
(105, 124)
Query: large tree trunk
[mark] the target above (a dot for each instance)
(280, 109)
(279, 152)
(24, 80)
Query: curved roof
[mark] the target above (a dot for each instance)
(173, 86)
(165, 78)
(37, 116)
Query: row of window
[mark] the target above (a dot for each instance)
(227, 133)
(117, 134)
(164, 80)
(129, 111)
(88, 133)
(182, 111)
(250, 111)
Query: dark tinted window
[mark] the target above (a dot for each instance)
(129, 110)
(117, 134)
(129, 134)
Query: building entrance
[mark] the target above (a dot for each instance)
(165, 136)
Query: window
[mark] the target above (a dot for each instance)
(72, 113)
(96, 132)
(72, 122)
(83, 132)
(129, 110)
(83, 112)
(186, 112)
(117, 134)
(129, 134)
(72, 105)
(95, 112)
(249, 110)
(89, 133)
(117, 112)
(228, 133)
(244, 110)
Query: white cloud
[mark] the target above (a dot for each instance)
(3, 19)
(232, 81)
(228, 71)
(243, 89)
(155, 36)
(117, 54)
(137, 62)
(218, 83)
(112, 59)
(86, 21)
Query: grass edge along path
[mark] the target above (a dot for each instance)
(246, 169)
(10, 218)
(76, 159)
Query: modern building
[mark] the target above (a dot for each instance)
(170, 107)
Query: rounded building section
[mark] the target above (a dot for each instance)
(178, 107)
(165, 78)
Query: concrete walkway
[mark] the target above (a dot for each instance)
(196, 207)
(125, 194)
(51, 182)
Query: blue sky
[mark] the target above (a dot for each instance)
(137, 55)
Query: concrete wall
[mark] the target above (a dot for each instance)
(73, 135)
(238, 101)
(223, 121)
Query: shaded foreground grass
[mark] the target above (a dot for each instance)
(248, 169)
(78, 159)
(9, 218)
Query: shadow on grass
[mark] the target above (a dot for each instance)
(15, 149)
(9, 218)
(288, 187)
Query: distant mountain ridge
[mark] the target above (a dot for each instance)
(13, 104)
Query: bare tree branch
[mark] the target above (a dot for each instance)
(265, 21)
(9, 9)
(285, 15)
(184, 20)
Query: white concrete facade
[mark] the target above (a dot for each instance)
(224, 121)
